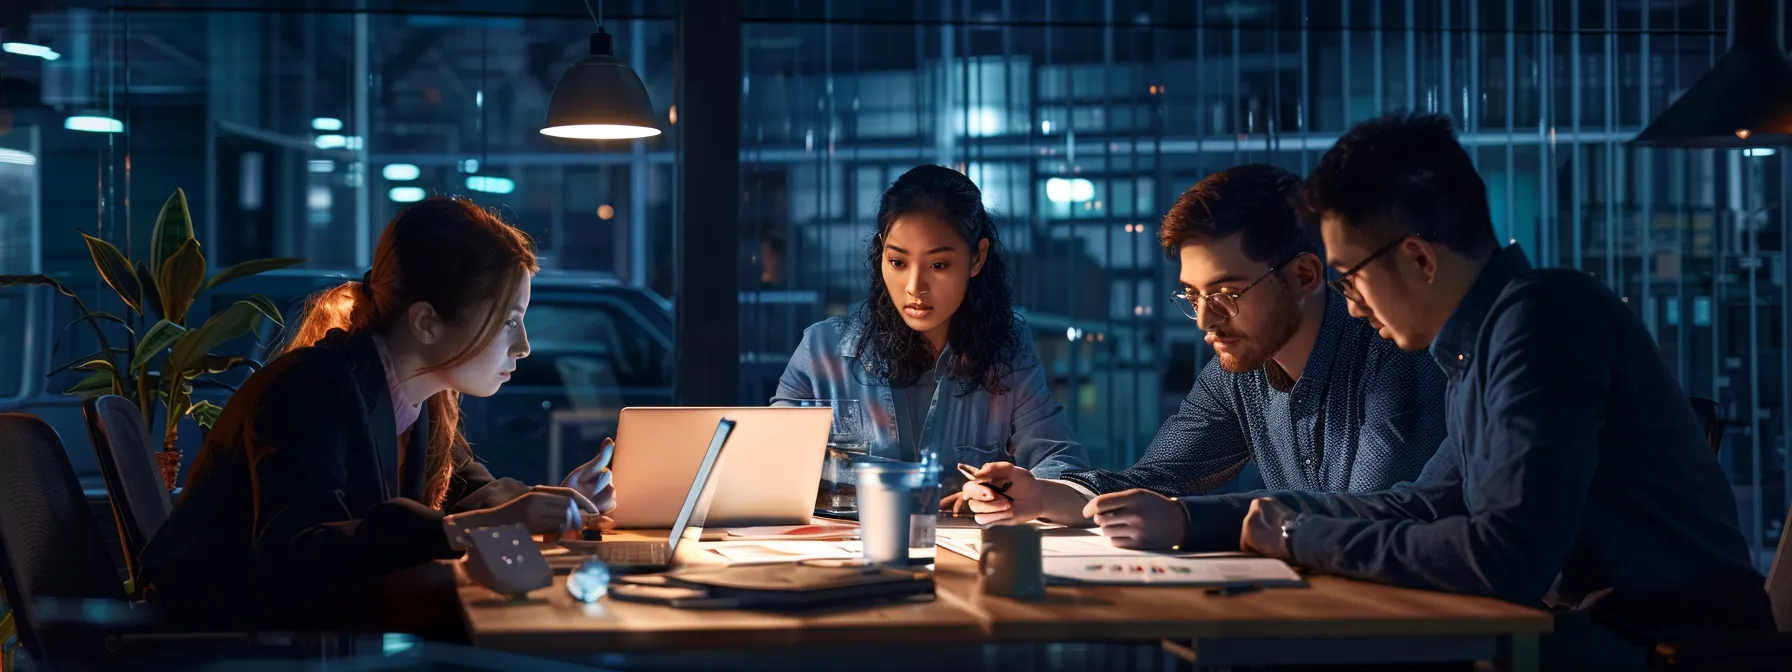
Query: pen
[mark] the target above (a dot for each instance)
(1229, 590)
(971, 475)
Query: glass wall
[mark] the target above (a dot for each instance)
(1082, 121)
(301, 132)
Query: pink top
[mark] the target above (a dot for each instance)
(403, 409)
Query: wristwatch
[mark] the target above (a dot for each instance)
(1288, 525)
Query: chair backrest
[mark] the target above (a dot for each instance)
(133, 479)
(1713, 419)
(49, 543)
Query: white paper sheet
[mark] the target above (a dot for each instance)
(825, 532)
(1198, 571)
(749, 553)
(1063, 542)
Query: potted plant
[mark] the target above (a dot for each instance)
(161, 364)
(7, 630)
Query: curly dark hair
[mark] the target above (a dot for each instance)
(982, 334)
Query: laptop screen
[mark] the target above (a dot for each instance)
(696, 502)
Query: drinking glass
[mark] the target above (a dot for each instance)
(847, 443)
(899, 509)
(924, 511)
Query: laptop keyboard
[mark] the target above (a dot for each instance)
(626, 553)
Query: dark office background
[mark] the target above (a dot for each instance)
(301, 128)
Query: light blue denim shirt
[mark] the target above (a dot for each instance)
(1023, 425)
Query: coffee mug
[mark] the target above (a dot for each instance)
(1012, 563)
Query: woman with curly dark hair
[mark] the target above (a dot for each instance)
(935, 353)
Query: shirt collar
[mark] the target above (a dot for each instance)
(1332, 323)
(1455, 342)
(404, 411)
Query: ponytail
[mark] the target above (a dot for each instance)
(347, 306)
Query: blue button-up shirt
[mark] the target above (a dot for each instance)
(1362, 416)
(1023, 425)
(1574, 470)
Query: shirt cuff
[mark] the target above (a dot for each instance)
(1073, 485)
(1214, 521)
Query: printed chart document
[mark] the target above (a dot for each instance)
(1201, 570)
(1084, 556)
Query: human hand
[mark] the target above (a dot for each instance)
(593, 479)
(952, 503)
(1017, 503)
(538, 512)
(1262, 529)
(1139, 519)
(592, 518)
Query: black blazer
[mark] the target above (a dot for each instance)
(296, 504)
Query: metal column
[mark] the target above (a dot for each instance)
(707, 224)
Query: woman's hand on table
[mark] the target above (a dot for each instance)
(537, 512)
(591, 517)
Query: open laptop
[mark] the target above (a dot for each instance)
(775, 458)
(633, 557)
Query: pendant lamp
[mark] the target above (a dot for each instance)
(599, 97)
(1744, 101)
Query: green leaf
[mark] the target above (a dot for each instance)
(77, 362)
(174, 227)
(98, 383)
(116, 271)
(233, 322)
(7, 627)
(206, 413)
(251, 267)
(96, 365)
(179, 281)
(93, 318)
(178, 404)
(47, 281)
(39, 280)
(156, 340)
(97, 315)
(221, 363)
(267, 308)
(151, 297)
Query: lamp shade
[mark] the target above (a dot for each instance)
(1744, 101)
(600, 98)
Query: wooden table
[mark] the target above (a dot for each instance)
(551, 622)
(1333, 620)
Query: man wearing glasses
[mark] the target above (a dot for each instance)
(1575, 474)
(1312, 395)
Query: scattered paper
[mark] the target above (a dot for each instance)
(794, 532)
(783, 551)
(1059, 542)
(1209, 570)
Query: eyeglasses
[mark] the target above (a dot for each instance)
(1347, 286)
(1223, 304)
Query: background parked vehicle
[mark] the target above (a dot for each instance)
(596, 345)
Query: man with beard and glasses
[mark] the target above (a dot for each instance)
(1311, 394)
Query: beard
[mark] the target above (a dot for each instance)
(1254, 349)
